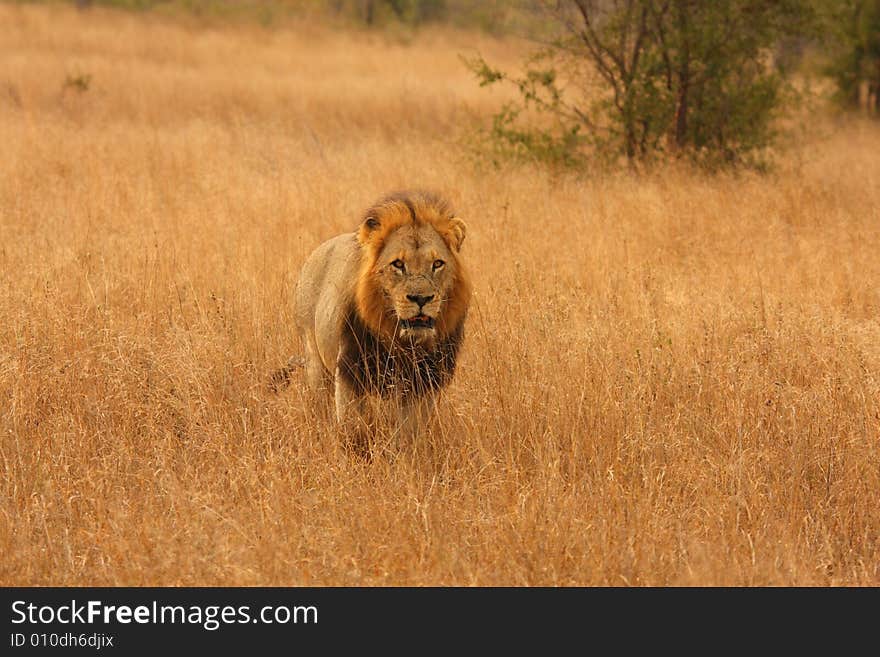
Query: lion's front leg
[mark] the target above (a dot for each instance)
(317, 376)
(417, 415)
(351, 415)
(349, 403)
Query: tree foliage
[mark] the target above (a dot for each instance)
(647, 76)
(854, 35)
(407, 11)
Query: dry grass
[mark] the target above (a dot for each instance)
(667, 380)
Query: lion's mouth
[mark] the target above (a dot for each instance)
(418, 322)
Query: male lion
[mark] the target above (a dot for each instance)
(381, 311)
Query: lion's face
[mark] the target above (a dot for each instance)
(411, 284)
(416, 271)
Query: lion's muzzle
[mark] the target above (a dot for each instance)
(418, 322)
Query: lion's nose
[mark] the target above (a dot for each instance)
(419, 299)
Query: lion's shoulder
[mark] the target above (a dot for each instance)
(325, 291)
(328, 277)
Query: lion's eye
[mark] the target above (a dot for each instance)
(397, 264)
(438, 264)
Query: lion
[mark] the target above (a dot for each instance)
(381, 311)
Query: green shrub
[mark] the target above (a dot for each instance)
(647, 77)
(853, 30)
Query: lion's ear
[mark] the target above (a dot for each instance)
(369, 225)
(457, 231)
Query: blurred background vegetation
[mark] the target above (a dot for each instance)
(492, 16)
(623, 80)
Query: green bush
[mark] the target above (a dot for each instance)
(686, 77)
(853, 30)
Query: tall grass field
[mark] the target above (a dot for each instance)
(668, 378)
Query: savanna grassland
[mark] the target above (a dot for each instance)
(668, 377)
